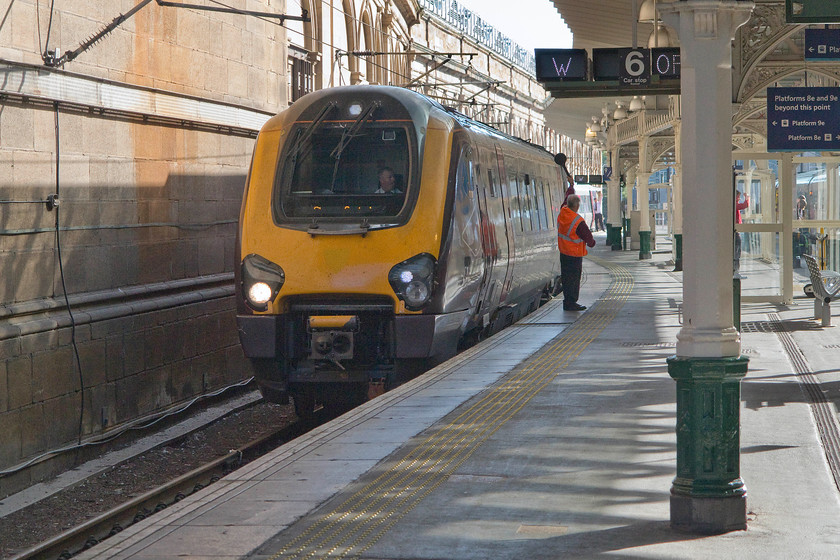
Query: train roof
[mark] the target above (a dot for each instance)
(416, 102)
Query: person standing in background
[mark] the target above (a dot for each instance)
(742, 201)
(596, 209)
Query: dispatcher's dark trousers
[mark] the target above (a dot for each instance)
(570, 272)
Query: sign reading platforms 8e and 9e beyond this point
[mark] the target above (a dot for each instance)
(803, 119)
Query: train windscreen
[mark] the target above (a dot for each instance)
(345, 169)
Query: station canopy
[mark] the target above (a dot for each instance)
(595, 24)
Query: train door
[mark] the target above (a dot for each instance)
(486, 191)
(464, 263)
(504, 193)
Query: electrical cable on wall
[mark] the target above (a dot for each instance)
(135, 428)
(53, 204)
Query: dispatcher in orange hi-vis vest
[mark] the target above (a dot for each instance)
(573, 236)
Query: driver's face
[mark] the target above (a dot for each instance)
(386, 180)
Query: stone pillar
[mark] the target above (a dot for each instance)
(678, 200)
(643, 195)
(708, 495)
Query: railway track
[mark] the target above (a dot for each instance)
(92, 532)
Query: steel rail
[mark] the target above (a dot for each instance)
(109, 523)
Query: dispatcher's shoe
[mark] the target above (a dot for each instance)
(573, 307)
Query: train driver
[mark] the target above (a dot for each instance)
(387, 182)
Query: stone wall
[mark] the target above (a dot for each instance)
(155, 127)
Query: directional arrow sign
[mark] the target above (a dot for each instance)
(803, 119)
(822, 44)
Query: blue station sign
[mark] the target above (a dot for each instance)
(822, 44)
(803, 119)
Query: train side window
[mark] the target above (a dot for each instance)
(539, 205)
(524, 204)
(532, 204)
(545, 203)
(515, 212)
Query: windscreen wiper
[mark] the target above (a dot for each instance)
(351, 131)
(306, 134)
(348, 135)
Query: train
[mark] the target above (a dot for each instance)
(344, 292)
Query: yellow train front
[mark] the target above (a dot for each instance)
(342, 289)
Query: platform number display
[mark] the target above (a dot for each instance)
(634, 69)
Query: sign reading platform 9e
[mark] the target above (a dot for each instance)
(561, 64)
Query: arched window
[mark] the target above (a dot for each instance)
(349, 28)
(367, 35)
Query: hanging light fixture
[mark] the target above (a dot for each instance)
(636, 104)
(662, 36)
(605, 120)
(595, 126)
(620, 111)
(647, 12)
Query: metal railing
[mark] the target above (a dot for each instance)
(470, 23)
(645, 123)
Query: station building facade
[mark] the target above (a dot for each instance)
(136, 121)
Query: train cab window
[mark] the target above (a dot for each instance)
(334, 170)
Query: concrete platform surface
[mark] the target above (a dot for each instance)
(553, 439)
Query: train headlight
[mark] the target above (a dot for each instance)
(416, 294)
(412, 280)
(260, 293)
(261, 281)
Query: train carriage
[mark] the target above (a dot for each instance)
(342, 289)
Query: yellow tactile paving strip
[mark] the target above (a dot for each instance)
(357, 523)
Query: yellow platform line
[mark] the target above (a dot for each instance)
(363, 518)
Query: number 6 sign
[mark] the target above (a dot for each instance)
(635, 67)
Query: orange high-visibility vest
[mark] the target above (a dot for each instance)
(567, 238)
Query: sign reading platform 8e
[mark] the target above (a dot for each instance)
(561, 64)
(803, 119)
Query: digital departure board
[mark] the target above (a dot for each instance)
(561, 64)
(629, 64)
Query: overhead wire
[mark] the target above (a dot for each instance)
(323, 42)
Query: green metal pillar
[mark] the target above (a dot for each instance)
(644, 245)
(615, 240)
(625, 233)
(677, 252)
(708, 495)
